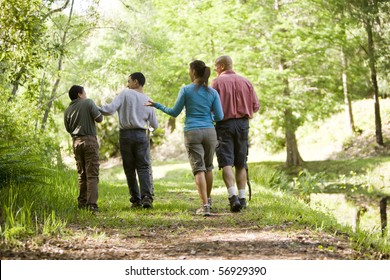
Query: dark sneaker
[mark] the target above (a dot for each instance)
(93, 208)
(242, 202)
(235, 205)
(204, 210)
(82, 206)
(147, 202)
(137, 204)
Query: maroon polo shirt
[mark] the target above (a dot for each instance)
(238, 97)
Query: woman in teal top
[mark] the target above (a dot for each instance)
(203, 107)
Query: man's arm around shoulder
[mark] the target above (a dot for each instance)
(99, 118)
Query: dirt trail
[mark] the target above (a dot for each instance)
(183, 244)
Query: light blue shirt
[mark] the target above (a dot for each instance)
(203, 107)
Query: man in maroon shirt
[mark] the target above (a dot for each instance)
(239, 103)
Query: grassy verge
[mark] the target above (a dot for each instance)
(38, 209)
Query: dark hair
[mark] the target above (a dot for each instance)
(139, 77)
(202, 72)
(74, 92)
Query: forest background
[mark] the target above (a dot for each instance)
(308, 60)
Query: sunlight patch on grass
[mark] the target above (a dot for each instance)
(161, 171)
(336, 205)
(380, 176)
(220, 190)
(370, 221)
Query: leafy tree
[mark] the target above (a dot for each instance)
(24, 49)
(371, 13)
(67, 36)
(21, 32)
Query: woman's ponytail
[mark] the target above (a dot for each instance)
(206, 76)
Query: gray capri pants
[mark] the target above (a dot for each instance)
(200, 145)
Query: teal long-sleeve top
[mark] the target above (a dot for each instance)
(203, 107)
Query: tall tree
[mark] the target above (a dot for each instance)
(23, 28)
(294, 76)
(293, 156)
(347, 96)
(62, 46)
(368, 13)
(371, 8)
(337, 10)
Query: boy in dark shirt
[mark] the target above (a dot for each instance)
(79, 119)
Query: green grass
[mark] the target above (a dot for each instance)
(33, 209)
(176, 201)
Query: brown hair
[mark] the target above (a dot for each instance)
(202, 72)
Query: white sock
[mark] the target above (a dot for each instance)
(232, 191)
(241, 193)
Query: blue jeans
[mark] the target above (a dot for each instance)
(134, 147)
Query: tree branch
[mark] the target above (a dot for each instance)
(56, 10)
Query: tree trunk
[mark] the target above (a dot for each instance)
(371, 57)
(293, 156)
(53, 96)
(347, 98)
(16, 83)
(383, 213)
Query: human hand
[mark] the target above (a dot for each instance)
(149, 103)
